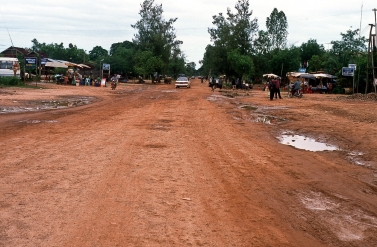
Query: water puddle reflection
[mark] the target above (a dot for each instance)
(305, 143)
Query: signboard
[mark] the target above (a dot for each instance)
(44, 61)
(348, 71)
(30, 62)
(106, 66)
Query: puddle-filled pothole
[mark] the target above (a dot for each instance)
(38, 105)
(305, 143)
(216, 97)
(267, 119)
(264, 119)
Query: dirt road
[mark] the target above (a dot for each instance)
(151, 165)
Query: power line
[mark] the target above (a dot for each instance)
(325, 16)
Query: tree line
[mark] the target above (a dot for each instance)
(241, 50)
(238, 48)
(154, 48)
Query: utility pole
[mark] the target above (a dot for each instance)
(374, 44)
(369, 54)
(375, 21)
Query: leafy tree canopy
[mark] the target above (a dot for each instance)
(233, 41)
(277, 29)
(155, 34)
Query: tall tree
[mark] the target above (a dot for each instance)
(233, 40)
(97, 52)
(285, 60)
(122, 59)
(190, 68)
(349, 47)
(262, 44)
(310, 49)
(277, 28)
(176, 63)
(155, 34)
(243, 28)
(125, 44)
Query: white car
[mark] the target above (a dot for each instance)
(182, 82)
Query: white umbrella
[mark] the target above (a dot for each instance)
(84, 66)
(324, 76)
(270, 76)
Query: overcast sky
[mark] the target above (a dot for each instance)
(87, 24)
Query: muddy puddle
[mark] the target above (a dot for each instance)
(169, 91)
(41, 105)
(216, 97)
(305, 143)
(38, 121)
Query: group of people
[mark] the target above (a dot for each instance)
(274, 87)
(74, 77)
(236, 83)
(241, 84)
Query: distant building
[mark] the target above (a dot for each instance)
(14, 52)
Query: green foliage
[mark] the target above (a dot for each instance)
(277, 29)
(190, 68)
(97, 53)
(262, 44)
(233, 42)
(125, 45)
(347, 49)
(343, 82)
(337, 90)
(176, 63)
(58, 51)
(242, 64)
(155, 35)
(149, 63)
(122, 58)
(287, 59)
(315, 63)
(262, 64)
(10, 81)
(310, 49)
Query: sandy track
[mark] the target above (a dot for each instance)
(150, 165)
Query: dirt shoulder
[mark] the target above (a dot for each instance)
(151, 165)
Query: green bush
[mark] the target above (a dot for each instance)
(10, 81)
(227, 85)
(338, 90)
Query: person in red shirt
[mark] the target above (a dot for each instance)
(277, 88)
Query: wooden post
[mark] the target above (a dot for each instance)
(24, 72)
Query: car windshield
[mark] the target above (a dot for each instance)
(182, 79)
